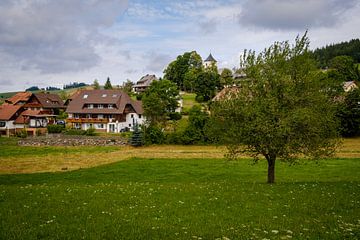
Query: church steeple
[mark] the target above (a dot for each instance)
(209, 61)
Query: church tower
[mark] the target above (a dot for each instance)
(209, 61)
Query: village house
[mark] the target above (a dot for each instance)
(144, 83)
(29, 111)
(104, 110)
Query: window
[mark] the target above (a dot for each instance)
(139, 116)
(104, 95)
(132, 115)
(100, 106)
(88, 115)
(100, 125)
(110, 106)
(85, 96)
(114, 95)
(77, 125)
(2, 124)
(100, 116)
(91, 106)
(76, 116)
(130, 125)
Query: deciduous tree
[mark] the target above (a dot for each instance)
(281, 112)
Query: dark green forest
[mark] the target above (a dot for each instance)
(325, 54)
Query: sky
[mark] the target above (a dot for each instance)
(52, 43)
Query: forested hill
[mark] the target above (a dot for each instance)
(325, 54)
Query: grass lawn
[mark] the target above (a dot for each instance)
(188, 101)
(177, 192)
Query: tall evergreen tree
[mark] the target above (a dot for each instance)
(108, 84)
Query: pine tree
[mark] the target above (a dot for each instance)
(108, 84)
(136, 139)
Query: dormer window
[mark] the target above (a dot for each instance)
(85, 96)
(114, 95)
(104, 95)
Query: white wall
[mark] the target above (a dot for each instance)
(8, 125)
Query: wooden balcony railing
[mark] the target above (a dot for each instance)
(87, 120)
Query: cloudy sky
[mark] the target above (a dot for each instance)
(51, 42)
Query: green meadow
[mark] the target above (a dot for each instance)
(153, 198)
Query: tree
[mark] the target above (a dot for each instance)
(343, 69)
(226, 78)
(177, 69)
(108, 84)
(136, 139)
(96, 84)
(281, 112)
(349, 114)
(127, 86)
(159, 100)
(206, 84)
(195, 131)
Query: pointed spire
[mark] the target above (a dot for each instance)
(210, 58)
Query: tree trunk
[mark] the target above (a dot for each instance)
(271, 168)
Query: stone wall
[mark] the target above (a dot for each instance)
(64, 140)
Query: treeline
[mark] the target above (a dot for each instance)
(74, 85)
(325, 54)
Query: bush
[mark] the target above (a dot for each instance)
(175, 116)
(22, 134)
(90, 132)
(55, 128)
(154, 135)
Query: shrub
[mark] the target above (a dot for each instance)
(175, 116)
(55, 128)
(154, 135)
(22, 133)
(90, 132)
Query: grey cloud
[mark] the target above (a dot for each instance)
(55, 36)
(157, 61)
(208, 27)
(293, 14)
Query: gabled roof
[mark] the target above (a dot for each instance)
(7, 112)
(210, 58)
(145, 81)
(226, 93)
(48, 100)
(19, 97)
(24, 116)
(116, 97)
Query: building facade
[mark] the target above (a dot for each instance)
(105, 111)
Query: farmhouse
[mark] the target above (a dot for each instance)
(144, 83)
(104, 110)
(8, 114)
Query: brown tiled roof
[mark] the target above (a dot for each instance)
(101, 96)
(19, 97)
(49, 100)
(7, 112)
(24, 116)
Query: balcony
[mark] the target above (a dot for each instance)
(87, 120)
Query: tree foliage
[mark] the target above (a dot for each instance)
(226, 78)
(280, 112)
(325, 54)
(343, 68)
(177, 70)
(159, 100)
(128, 86)
(206, 84)
(108, 84)
(96, 84)
(195, 131)
(349, 114)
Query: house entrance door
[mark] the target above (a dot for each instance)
(111, 127)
